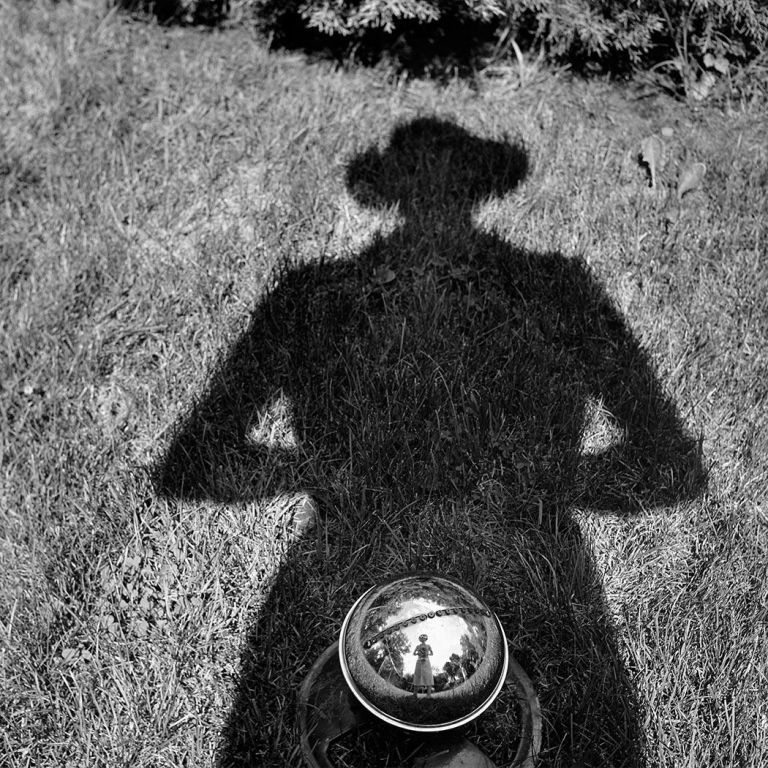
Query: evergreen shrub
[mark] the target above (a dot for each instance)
(617, 34)
(685, 37)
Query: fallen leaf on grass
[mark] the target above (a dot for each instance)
(114, 405)
(383, 275)
(719, 63)
(140, 628)
(652, 154)
(304, 515)
(700, 89)
(690, 178)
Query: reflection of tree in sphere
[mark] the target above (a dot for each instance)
(452, 669)
(469, 656)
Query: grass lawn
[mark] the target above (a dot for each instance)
(272, 331)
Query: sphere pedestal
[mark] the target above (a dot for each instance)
(425, 654)
(328, 710)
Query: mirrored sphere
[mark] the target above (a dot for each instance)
(423, 652)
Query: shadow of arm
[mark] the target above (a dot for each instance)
(656, 461)
(236, 443)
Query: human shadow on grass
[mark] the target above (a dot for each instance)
(438, 386)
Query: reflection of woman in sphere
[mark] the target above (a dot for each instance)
(422, 675)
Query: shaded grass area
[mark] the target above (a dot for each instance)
(440, 373)
(190, 268)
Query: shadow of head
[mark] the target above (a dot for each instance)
(431, 163)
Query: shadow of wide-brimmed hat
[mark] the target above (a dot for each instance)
(429, 160)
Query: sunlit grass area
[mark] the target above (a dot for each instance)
(273, 330)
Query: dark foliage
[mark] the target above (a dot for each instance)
(427, 36)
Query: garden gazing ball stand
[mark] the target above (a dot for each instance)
(424, 653)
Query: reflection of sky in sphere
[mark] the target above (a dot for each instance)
(444, 633)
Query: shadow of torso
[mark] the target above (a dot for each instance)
(438, 386)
